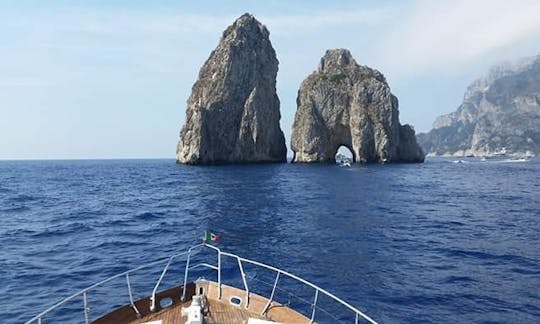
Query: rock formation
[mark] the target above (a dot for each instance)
(343, 103)
(500, 113)
(233, 112)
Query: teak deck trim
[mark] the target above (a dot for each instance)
(219, 311)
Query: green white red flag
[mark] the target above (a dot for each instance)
(209, 236)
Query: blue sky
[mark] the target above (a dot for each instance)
(110, 79)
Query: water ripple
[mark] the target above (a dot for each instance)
(436, 242)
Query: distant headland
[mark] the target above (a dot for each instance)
(499, 115)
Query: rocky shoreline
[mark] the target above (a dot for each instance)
(499, 115)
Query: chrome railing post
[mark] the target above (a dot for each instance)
(314, 306)
(219, 273)
(265, 309)
(39, 317)
(356, 320)
(185, 277)
(39, 320)
(305, 282)
(244, 280)
(131, 297)
(85, 301)
(153, 297)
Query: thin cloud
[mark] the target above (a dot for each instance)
(436, 35)
(321, 20)
(23, 82)
(160, 23)
(133, 22)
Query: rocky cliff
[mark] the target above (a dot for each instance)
(500, 113)
(343, 103)
(233, 112)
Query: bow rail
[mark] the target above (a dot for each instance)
(359, 315)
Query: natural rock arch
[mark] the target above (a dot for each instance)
(348, 148)
(343, 103)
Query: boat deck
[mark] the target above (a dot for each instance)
(218, 311)
(209, 301)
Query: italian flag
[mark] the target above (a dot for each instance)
(209, 236)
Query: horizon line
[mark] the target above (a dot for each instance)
(91, 159)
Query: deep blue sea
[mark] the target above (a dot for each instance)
(433, 242)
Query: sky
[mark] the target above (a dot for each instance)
(110, 78)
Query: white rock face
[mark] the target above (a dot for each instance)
(233, 113)
(343, 103)
(500, 113)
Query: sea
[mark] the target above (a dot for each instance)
(443, 241)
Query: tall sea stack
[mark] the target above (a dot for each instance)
(343, 103)
(233, 113)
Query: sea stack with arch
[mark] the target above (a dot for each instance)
(233, 113)
(345, 104)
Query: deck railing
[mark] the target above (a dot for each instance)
(279, 274)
